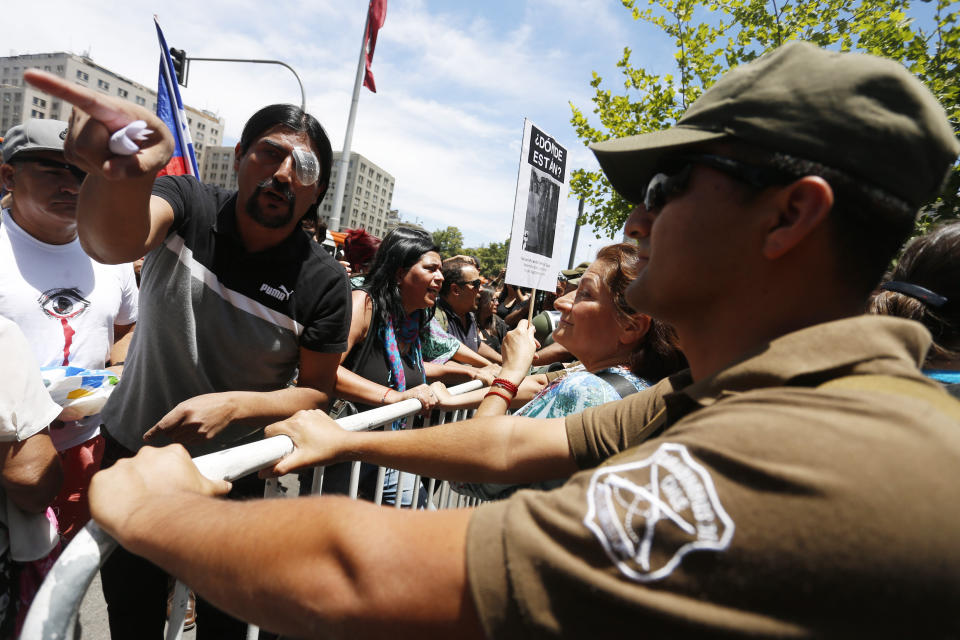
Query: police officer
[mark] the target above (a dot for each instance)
(801, 478)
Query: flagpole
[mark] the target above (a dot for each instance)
(334, 224)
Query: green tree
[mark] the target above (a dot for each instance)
(492, 257)
(712, 36)
(450, 241)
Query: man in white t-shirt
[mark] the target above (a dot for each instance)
(72, 309)
(30, 473)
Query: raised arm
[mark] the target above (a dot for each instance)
(117, 218)
(519, 346)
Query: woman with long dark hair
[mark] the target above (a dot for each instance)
(491, 326)
(384, 360)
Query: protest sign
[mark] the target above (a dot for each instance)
(541, 191)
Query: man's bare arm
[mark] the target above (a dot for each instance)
(495, 449)
(358, 570)
(122, 336)
(117, 219)
(204, 416)
(466, 355)
(30, 472)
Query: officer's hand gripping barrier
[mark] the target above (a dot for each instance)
(54, 609)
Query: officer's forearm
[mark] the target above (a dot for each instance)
(493, 449)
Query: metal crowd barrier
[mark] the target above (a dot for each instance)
(54, 609)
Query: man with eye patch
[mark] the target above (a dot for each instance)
(74, 311)
(242, 316)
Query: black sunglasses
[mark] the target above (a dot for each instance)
(78, 173)
(473, 283)
(671, 181)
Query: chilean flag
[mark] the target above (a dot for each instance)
(170, 110)
(376, 16)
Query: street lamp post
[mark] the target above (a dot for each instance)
(303, 95)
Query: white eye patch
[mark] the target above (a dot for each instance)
(306, 165)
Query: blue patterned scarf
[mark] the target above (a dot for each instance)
(408, 334)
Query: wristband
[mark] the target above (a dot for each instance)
(506, 385)
(494, 392)
(383, 400)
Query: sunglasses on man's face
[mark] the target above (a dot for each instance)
(473, 283)
(673, 179)
(78, 173)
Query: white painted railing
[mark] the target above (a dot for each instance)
(54, 609)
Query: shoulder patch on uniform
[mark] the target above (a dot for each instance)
(650, 513)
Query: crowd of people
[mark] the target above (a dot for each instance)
(735, 422)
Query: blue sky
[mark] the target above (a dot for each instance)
(455, 80)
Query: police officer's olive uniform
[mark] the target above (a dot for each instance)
(772, 504)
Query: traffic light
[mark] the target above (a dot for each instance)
(179, 57)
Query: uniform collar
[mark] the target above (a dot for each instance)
(225, 226)
(813, 355)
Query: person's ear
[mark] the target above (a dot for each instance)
(634, 329)
(237, 154)
(7, 176)
(801, 207)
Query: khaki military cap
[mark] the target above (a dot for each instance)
(866, 116)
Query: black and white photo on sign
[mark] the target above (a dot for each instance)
(540, 223)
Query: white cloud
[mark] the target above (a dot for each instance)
(454, 82)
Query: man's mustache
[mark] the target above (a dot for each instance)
(282, 188)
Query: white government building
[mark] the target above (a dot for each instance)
(20, 101)
(369, 189)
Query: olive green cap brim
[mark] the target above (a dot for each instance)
(629, 162)
(860, 114)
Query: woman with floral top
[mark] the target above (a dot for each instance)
(619, 351)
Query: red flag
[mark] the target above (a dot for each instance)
(376, 16)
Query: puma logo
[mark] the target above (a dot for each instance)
(281, 293)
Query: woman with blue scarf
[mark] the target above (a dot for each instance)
(384, 361)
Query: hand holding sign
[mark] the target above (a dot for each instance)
(93, 119)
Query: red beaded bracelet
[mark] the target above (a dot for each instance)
(494, 392)
(506, 384)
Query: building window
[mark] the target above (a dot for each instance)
(82, 76)
(122, 92)
(39, 102)
(36, 114)
(140, 100)
(60, 68)
(103, 84)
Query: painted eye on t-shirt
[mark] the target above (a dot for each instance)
(63, 303)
